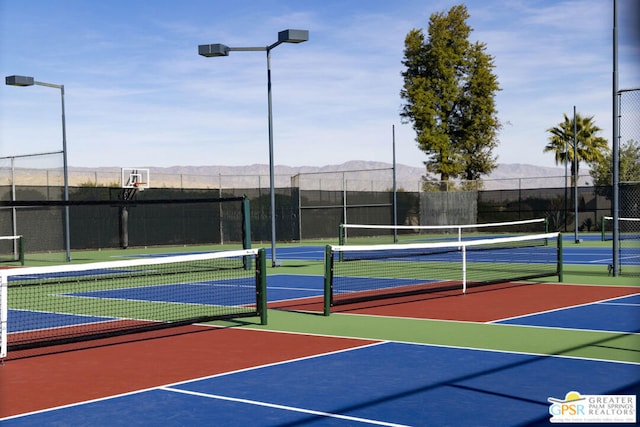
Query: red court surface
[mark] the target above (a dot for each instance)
(67, 375)
(481, 304)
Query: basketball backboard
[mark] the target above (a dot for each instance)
(137, 178)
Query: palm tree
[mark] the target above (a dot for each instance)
(590, 147)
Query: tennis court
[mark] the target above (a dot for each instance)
(587, 255)
(370, 384)
(491, 356)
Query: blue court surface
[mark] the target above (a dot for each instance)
(280, 287)
(51, 320)
(205, 293)
(616, 315)
(388, 384)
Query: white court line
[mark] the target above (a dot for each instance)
(283, 407)
(619, 303)
(289, 288)
(604, 301)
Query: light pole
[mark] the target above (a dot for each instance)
(29, 81)
(575, 174)
(285, 36)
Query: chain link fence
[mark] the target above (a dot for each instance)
(305, 212)
(38, 176)
(629, 191)
(312, 205)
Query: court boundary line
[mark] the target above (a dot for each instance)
(493, 350)
(383, 316)
(620, 303)
(559, 328)
(602, 301)
(491, 322)
(290, 288)
(369, 343)
(283, 407)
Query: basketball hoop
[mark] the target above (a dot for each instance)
(135, 178)
(140, 185)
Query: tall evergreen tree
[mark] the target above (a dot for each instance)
(449, 88)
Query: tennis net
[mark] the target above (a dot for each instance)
(12, 249)
(628, 243)
(66, 303)
(361, 273)
(351, 234)
(628, 228)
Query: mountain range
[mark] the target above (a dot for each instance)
(361, 175)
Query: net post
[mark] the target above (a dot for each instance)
(559, 268)
(602, 224)
(246, 223)
(21, 249)
(328, 260)
(464, 269)
(246, 230)
(341, 237)
(261, 285)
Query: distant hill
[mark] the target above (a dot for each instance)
(502, 171)
(359, 175)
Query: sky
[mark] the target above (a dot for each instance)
(138, 94)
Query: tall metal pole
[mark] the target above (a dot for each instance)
(575, 173)
(14, 219)
(65, 166)
(65, 169)
(566, 184)
(286, 36)
(616, 144)
(395, 199)
(345, 220)
(272, 195)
